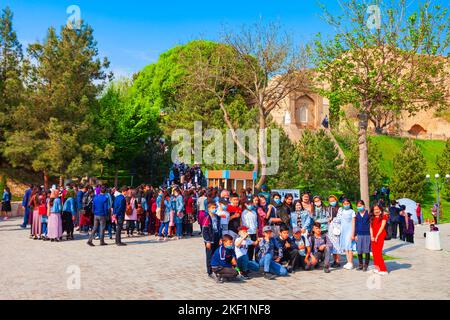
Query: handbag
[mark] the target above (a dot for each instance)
(336, 229)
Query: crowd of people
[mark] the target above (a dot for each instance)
(242, 233)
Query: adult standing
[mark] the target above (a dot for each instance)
(54, 232)
(394, 217)
(80, 193)
(378, 233)
(347, 219)
(334, 229)
(6, 202)
(419, 213)
(25, 205)
(178, 207)
(120, 205)
(100, 210)
(36, 219)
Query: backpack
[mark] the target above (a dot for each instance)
(129, 210)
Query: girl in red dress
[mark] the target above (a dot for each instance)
(378, 234)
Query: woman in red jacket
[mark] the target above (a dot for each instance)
(189, 218)
(378, 234)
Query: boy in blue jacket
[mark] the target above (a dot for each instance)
(211, 233)
(223, 262)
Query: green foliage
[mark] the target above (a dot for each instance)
(11, 64)
(288, 173)
(3, 182)
(409, 172)
(443, 164)
(54, 129)
(349, 175)
(318, 160)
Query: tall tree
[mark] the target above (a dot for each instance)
(126, 123)
(263, 64)
(54, 132)
(318, 161)
(11, 64)
(410, 169)
(391, 62)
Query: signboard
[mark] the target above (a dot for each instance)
(296, 193)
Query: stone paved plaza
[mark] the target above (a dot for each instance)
(146, 269)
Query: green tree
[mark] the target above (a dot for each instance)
(349, 173)
(54, 132)
(409, 168)
(126, 122)
(318, 161)
(11, 64)
(396, 65)
(443, 164)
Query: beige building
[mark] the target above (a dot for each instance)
(300, 110)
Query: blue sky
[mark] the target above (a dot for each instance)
(133, 33)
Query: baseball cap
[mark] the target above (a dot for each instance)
(244, 228)
(267, 229)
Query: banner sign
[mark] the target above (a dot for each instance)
(283, 192)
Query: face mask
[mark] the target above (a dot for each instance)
(224, 207)
(251, 207)
(213, 211)
(229, 247)
(277, 201)
(333, 203)
(361, 209)
(346, 207)
(318, 204)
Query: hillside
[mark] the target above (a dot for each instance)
(390, 146)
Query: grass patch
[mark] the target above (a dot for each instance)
(390, 146)
(385, 257)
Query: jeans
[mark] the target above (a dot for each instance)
(98, 220)
(209, 254)
(130, 226)
(394, 227)
(164, 226)
(44, 228)
(179, 226)
(271, 266)
(26, 216)
(119, 226)
(244, 264)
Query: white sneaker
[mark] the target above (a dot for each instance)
(376, 270)
(382, 273)
(348, 266)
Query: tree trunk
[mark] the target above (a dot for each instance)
(61, 181)
(363, 158)
(116, 178)
(46, 186)
(262, 153)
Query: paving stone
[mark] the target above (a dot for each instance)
(147, 269)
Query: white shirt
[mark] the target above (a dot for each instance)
(243, 248)
(250, 220)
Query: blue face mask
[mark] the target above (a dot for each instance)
(229, 247)
(213, 211)
(333, 203)
(251, 207)
(224, 207)
(277, 201)
(346, 207)
(361, 209)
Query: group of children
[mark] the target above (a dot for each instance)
(256, 234)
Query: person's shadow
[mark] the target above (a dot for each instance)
(394, 266)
